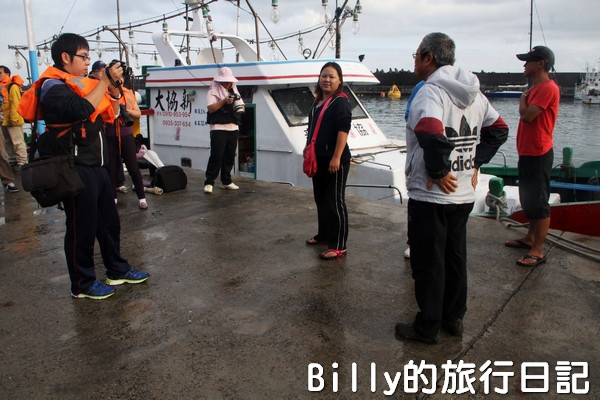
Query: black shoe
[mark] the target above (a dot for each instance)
(407, 332)
(453, 327)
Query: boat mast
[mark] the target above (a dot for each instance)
(530, 24)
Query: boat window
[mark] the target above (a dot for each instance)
(357, 110)
(294, 104)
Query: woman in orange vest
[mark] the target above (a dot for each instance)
(121, 143)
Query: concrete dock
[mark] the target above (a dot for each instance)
(237, 307)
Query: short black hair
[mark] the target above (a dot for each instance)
(68, 43)
(5, 69)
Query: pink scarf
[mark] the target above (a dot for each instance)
(217, 90)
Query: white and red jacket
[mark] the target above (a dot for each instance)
(451, 128)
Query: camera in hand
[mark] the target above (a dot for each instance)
(127, 72)
(124, 115)
(238, 104)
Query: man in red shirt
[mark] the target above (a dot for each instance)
(538, 109)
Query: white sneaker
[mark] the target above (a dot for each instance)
(11, 187)
(231, 186)
(208, 188)
(407, 252)
(122, 189)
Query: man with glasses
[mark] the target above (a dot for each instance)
(447, 118)
(75, 108)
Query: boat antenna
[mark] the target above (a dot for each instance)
(66, 19)
(530, 25)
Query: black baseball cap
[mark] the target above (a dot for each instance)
(98, 65)
(539, 53)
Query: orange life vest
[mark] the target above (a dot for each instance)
(79, 85)
(16, 79)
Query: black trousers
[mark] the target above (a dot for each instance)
(438, 257)
(92, 214)
(223, 145)
(126, 153)
(330, 196)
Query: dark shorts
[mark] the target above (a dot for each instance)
(534, 184)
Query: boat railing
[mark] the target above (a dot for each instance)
(377, 187)
(503, 157)
(275, 151)
(359, 160)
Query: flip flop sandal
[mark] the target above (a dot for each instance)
(313, 242)
(326, 255)
(517, 244)
(537, 261)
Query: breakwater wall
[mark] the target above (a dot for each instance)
(406, 81)
(381, 90)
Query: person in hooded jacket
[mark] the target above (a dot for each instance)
(448, 117)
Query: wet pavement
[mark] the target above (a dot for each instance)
(237, 307)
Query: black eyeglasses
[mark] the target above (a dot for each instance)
(419, 54)
(84, 57)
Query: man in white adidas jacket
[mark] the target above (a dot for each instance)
(450, 132)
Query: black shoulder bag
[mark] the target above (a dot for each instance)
(52, 179)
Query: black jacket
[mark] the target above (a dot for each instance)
(337, 117)
(61, 106)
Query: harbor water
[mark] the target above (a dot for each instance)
(578, 126)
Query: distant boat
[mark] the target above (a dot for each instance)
(592, 96)
(394, 92)
(506, 91)
(588, 90)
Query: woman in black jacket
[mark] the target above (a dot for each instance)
(333, 160)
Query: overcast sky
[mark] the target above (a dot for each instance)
(488, 33)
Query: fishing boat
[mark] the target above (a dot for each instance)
(574, 198)
(592, 96)
(588, 89)
(394, 92)
(278, 96)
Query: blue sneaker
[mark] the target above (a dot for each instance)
(97, 291)
(131, 276)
